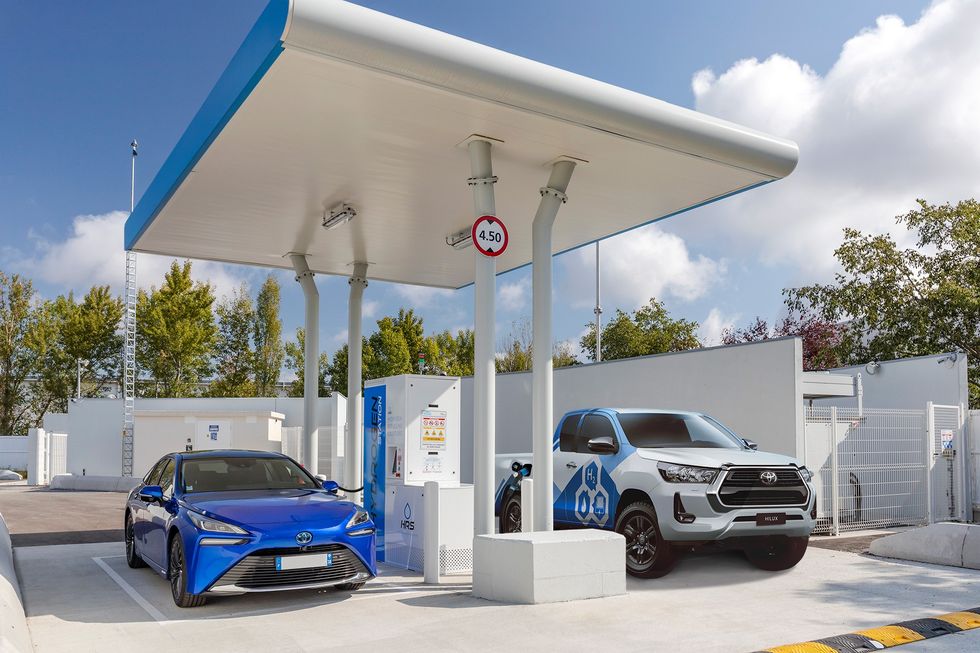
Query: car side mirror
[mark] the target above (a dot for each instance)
(329, 486)
(750, 444)
(151, 494)
(602, 444)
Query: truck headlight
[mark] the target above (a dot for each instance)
(686, 473)
(213, 525)
(805, 474)
(360, 517)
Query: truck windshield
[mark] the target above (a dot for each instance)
(224, 474)
(659, 430)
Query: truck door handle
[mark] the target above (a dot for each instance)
(571, 465)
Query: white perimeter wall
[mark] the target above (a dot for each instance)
(754, 389)
(909, 383)
(13, 451)
(94, 426)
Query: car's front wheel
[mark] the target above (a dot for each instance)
(178, 577)
(133, 558)
(776, 553)
(510, 515)
(648, 554)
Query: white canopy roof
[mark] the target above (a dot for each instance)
(328, 102)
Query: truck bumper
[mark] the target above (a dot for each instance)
(715, 523)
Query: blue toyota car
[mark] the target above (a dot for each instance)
(230, 522)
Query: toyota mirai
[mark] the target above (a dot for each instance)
(230, 522)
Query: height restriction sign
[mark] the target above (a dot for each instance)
(490, 235)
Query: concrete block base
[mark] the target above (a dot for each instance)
(93, 483)
(549, 567)
(956, 545)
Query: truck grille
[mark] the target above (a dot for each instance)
(258, 570)
(743, 487)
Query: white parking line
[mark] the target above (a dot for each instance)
(371, 591)
(158, 616)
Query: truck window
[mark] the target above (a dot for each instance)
(567, 433)
(658, 430)
(593, 426)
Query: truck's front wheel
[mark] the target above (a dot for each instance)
(510, 515)
(776, 553)
(648, 554)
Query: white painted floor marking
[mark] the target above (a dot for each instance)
(158, 616)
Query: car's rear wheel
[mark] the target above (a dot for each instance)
(776, 553)
(648, 554)
(178, 577)
(510, 515)
(133, 558)
(350, 587)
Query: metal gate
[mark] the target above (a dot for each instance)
(871, 467)
(57, 455)
(948, 457)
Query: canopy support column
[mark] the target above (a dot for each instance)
(311, 359)
(542, 407)
(484, 358)
(353, 442)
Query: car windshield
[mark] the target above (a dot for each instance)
(659, 430)
(224, 474)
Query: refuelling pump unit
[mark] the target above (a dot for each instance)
(411, 436)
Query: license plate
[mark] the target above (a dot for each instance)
(770, 519)
(311, 561)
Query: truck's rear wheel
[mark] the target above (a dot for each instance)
(648, 554)
(510, 515)
(776, 553)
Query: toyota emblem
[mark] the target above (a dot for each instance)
(304, 537)
(768, 477)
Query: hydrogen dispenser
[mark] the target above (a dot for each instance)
(412, 435)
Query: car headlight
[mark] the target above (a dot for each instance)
(360, 517)
(686, 473)
(805, 474)
(213, 525)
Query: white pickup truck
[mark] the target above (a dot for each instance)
(668, 481)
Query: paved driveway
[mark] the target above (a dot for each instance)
(84, 597)
(37, 516)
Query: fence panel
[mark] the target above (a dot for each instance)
(57, 454)
(870, 467)
(948, 470)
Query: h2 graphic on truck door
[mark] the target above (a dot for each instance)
(587, 495)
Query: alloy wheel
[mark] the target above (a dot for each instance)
(641, 541)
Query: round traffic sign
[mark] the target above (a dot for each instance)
(490, 235)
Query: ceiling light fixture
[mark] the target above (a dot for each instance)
(461, 239)
(340, 215)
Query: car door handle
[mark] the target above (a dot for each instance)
(571, 465)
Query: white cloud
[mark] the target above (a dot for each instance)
(644, 263)
(369, 308)
(421, 296)
(513, 296)
(93, 254)
(713, 326)
(895, 118)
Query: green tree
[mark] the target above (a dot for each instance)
(25, 334)
(267, 338)
(296, 361)
(84, 337)
(563, 356)
(518, 350)
(648, 330)
(898, 302)
(389, 351)
(414, 333)
(176, 333)
(337, 369)
(821, 338)
(234, 358)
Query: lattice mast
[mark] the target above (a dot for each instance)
(129, 340)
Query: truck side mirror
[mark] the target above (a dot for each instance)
(151, 494)
(750, 444)
(602, 444)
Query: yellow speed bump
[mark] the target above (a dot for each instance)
(891, 635)
(962, 620)
(805, 647)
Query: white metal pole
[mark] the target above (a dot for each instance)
(484, 359)
(598, 309)
(552, 197)
(430, 526)
(311, 360)
(834, 474)
(930, 443)
(354, 435)
(527, 505)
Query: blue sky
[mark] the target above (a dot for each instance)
(80, 80)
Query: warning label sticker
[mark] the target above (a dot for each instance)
(433, 430)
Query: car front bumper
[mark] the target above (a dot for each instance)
(247, 564)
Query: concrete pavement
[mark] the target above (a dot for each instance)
(85, 596)
(38, 516)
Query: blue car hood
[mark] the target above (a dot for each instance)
(312, 508)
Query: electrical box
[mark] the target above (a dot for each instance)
(412, 435)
